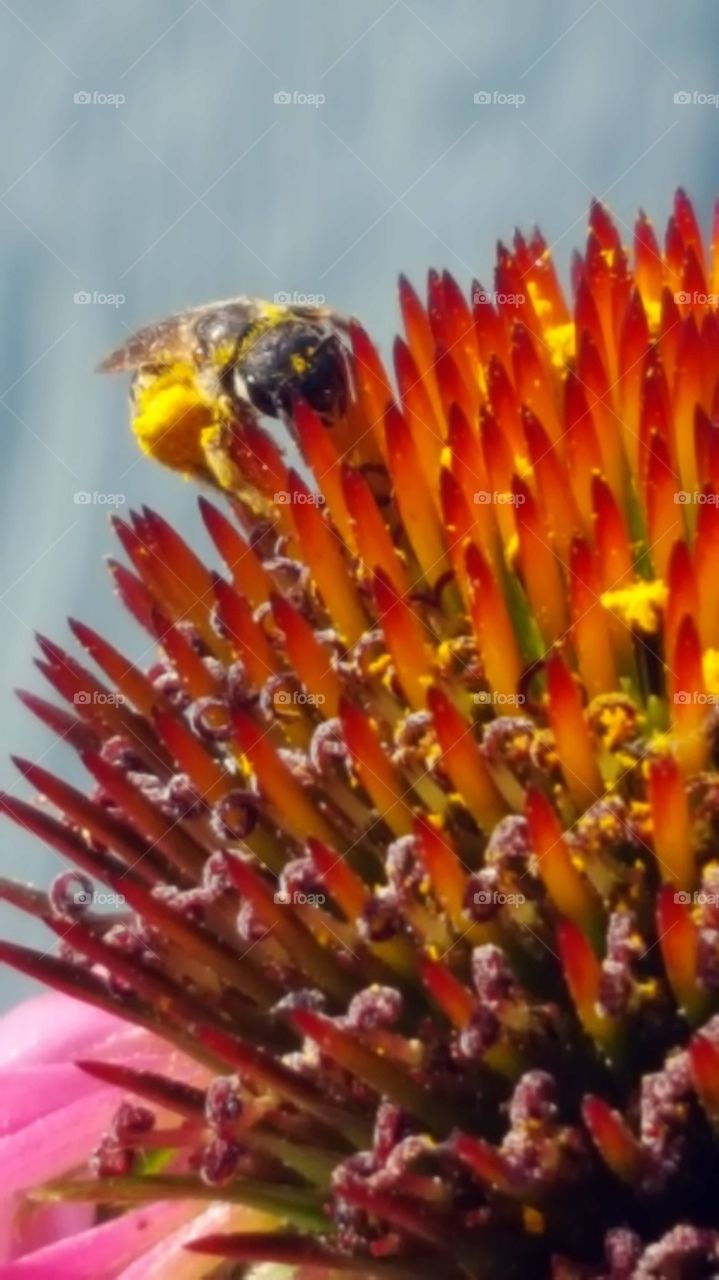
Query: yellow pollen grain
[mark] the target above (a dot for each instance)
(615, 722)
(223, 354)
(710, 665)
(445, 652)
(378, 666)
(171, 412)
(653, 311)
(560, 338)
(275, 312)
(639, 605)
(299, 363)
(511, 551)
(541, 305)
(272, 314)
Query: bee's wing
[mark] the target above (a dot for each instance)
(175, 337)
(160, 343)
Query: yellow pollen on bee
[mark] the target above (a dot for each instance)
(273, 313)
(171, 413)
(299, 363)
(224, 354)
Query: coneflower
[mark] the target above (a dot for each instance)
(414, 821)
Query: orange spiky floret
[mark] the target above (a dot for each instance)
(417, 812)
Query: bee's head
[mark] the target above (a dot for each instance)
(295, 358)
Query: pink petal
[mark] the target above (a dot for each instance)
(170, 1258)
(26, 1093)
(60, 1132)
(24, 1228)
(52, 1116)
(56, 1142)
(52, 1028)
(100, 1253)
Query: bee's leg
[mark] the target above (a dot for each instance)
(225, 471)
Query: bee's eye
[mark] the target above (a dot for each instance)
(323, 384)
(259, 393)
(294, 359)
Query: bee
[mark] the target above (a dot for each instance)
(229, 361)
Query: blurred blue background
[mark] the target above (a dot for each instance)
(198, 184)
